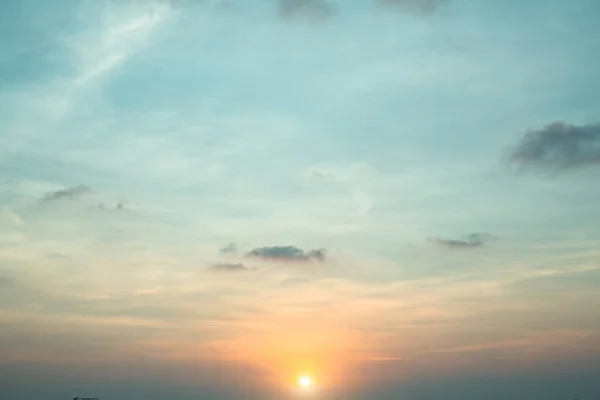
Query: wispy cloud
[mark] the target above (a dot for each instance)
(11, 218)
(229, 267)
(470, 241)
(416, 6)
(231, 248)
(559, 146)
(287, 253)
(325, 8)
(125, 32)
(311, 8)
(117, 206)
(65, 194)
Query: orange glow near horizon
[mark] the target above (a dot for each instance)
(296, 354)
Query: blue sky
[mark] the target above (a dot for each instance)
(138, 139)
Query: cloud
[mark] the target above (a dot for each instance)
(287, 253)
(470, 241)
(69, 193)
(231, 248)
(415, 6)
(227, 267)
(125, 31)
(120, 206)
(559, 146)
(480, 237)
(324, 8)
(312, 8)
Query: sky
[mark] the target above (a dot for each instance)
(210, 199)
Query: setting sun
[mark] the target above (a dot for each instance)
(305, 381)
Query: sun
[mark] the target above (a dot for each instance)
(305, 381)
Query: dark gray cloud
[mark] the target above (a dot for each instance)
(470, 241)
(231, 248)
(310, 8)
(414, 6)
(559, 146)
(227, 267)
(288, 253)
(69, 193)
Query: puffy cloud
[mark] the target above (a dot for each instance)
(559, 146)
(287, 253)
(470, 241)
(69, 193)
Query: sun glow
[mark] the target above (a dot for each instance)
(305, 381)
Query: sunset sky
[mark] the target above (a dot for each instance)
(211, 199)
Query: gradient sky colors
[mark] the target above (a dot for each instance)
(208, 199)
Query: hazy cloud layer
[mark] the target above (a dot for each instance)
(5, 281)
(324, 8)
(559, 146)
(287, 253)
(10, 218)
(311, 8)
(69, 193)
(470, 241)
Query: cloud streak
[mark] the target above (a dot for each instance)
(324, 8)
(11, 218)
(287, 253)
(470, 241)
(414, 6)
(229, 267)
(66, 194)
(559, 146)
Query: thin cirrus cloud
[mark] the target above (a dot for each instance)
(559, 146)
(471, 241)
(287, 253)
(11, 218)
